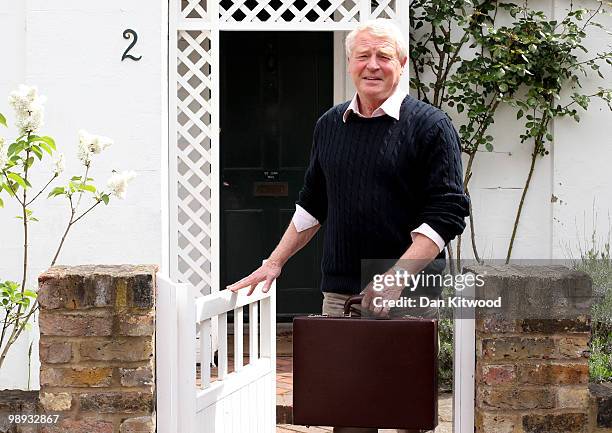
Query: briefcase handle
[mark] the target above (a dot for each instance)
(355, 299)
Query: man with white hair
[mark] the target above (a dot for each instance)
(385, 176)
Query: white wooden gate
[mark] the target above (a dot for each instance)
(239, 397)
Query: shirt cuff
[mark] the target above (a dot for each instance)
(302, 220)
(425, 229)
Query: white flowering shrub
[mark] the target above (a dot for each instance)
(17, 160)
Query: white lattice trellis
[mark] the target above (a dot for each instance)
(194, 13)
(193, 159)
(194, 9)
(289, 11)
(194, 98)
(384, 9)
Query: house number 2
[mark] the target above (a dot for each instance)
(127, 34)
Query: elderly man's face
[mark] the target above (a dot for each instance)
(374, 67)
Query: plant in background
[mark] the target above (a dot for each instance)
(17, 159)
(480, 85)
(600, 359)
(551, 49)
(435, 46)
(596, 261)
(445, 353)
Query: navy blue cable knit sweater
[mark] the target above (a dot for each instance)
(374, 180)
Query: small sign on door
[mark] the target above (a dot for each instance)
(271, 189)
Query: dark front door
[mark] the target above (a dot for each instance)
(274, 86)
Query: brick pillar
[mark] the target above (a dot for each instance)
(532, 369)
(97, 348)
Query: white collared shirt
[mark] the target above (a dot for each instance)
(303, 220)
(390, 107)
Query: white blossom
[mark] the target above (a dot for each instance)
(90, 144)
(29, 108)
(3, 154)
(60, 164)
(23, 97)
(32, 121)
(118, 182)
(83, 154)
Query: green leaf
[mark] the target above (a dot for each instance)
(30, 293)
(21, 181)
(3, 120)
(105, 198)
(1, 203)
(46, 147)
(37, 152)
(15, 148)
(519, 114)
(460, 108)
(489, 147)
(50, 141)
(7, 188)
(89, 188)
(58, 190)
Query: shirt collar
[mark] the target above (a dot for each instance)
(391, 106)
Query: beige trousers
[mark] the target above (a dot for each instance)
(333, 305)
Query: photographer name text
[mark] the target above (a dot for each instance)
(424, 301)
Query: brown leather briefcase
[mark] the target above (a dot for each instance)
(358, 372)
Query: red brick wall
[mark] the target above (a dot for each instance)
(97, 348)
(532, 363)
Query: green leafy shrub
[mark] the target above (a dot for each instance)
(600, 361)
(595, 260)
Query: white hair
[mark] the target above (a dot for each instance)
(382, 28)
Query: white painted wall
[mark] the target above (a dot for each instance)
(580, 164)
(72, 51)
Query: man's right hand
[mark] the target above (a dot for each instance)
(267, 272)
